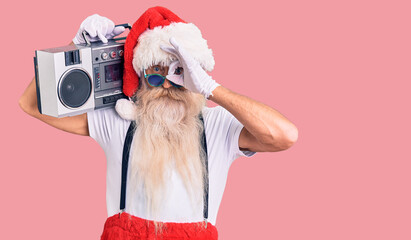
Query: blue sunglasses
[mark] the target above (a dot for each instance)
(157, 80)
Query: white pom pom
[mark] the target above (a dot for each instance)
(126, 109)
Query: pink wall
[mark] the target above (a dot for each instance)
(339, 70)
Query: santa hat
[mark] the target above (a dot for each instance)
(142, 48)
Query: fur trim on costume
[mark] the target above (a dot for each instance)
(148, 51)
(126, 109)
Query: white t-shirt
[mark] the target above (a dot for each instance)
(222, 131)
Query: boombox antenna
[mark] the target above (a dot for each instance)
(84, 33)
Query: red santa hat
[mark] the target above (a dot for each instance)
(142, 48)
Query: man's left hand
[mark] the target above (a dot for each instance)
(195, 78)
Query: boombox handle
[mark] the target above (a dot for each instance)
(125, 25)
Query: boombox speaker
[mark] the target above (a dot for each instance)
(64, 81)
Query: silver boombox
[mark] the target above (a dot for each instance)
(74, 79)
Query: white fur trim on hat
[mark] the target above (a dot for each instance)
(148, 51)
(126, 109)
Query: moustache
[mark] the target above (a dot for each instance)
(169, 93)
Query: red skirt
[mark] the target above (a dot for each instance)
(128, 227)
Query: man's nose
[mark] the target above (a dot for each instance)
(167, 84)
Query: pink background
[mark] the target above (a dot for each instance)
(339, 70)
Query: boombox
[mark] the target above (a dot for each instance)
(74, 79)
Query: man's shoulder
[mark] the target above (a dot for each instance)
(210, 110)
(105, 124)
(216, 115)
(108, 112)
(217, 111)
(105, 117)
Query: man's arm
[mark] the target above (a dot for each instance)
(76, 124)
(265, 129)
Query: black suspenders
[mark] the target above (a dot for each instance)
(124, 167)
(124, 164)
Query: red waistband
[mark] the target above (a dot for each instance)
(127, 227)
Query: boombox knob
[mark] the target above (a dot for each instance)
(104, 56)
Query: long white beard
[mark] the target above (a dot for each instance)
(168, 136)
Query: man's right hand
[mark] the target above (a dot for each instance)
(98, 28)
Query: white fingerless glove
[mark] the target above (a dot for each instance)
(195, 78)
(98, 28)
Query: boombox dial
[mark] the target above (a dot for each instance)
(104, 56)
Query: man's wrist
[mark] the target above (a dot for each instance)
(215, 92)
